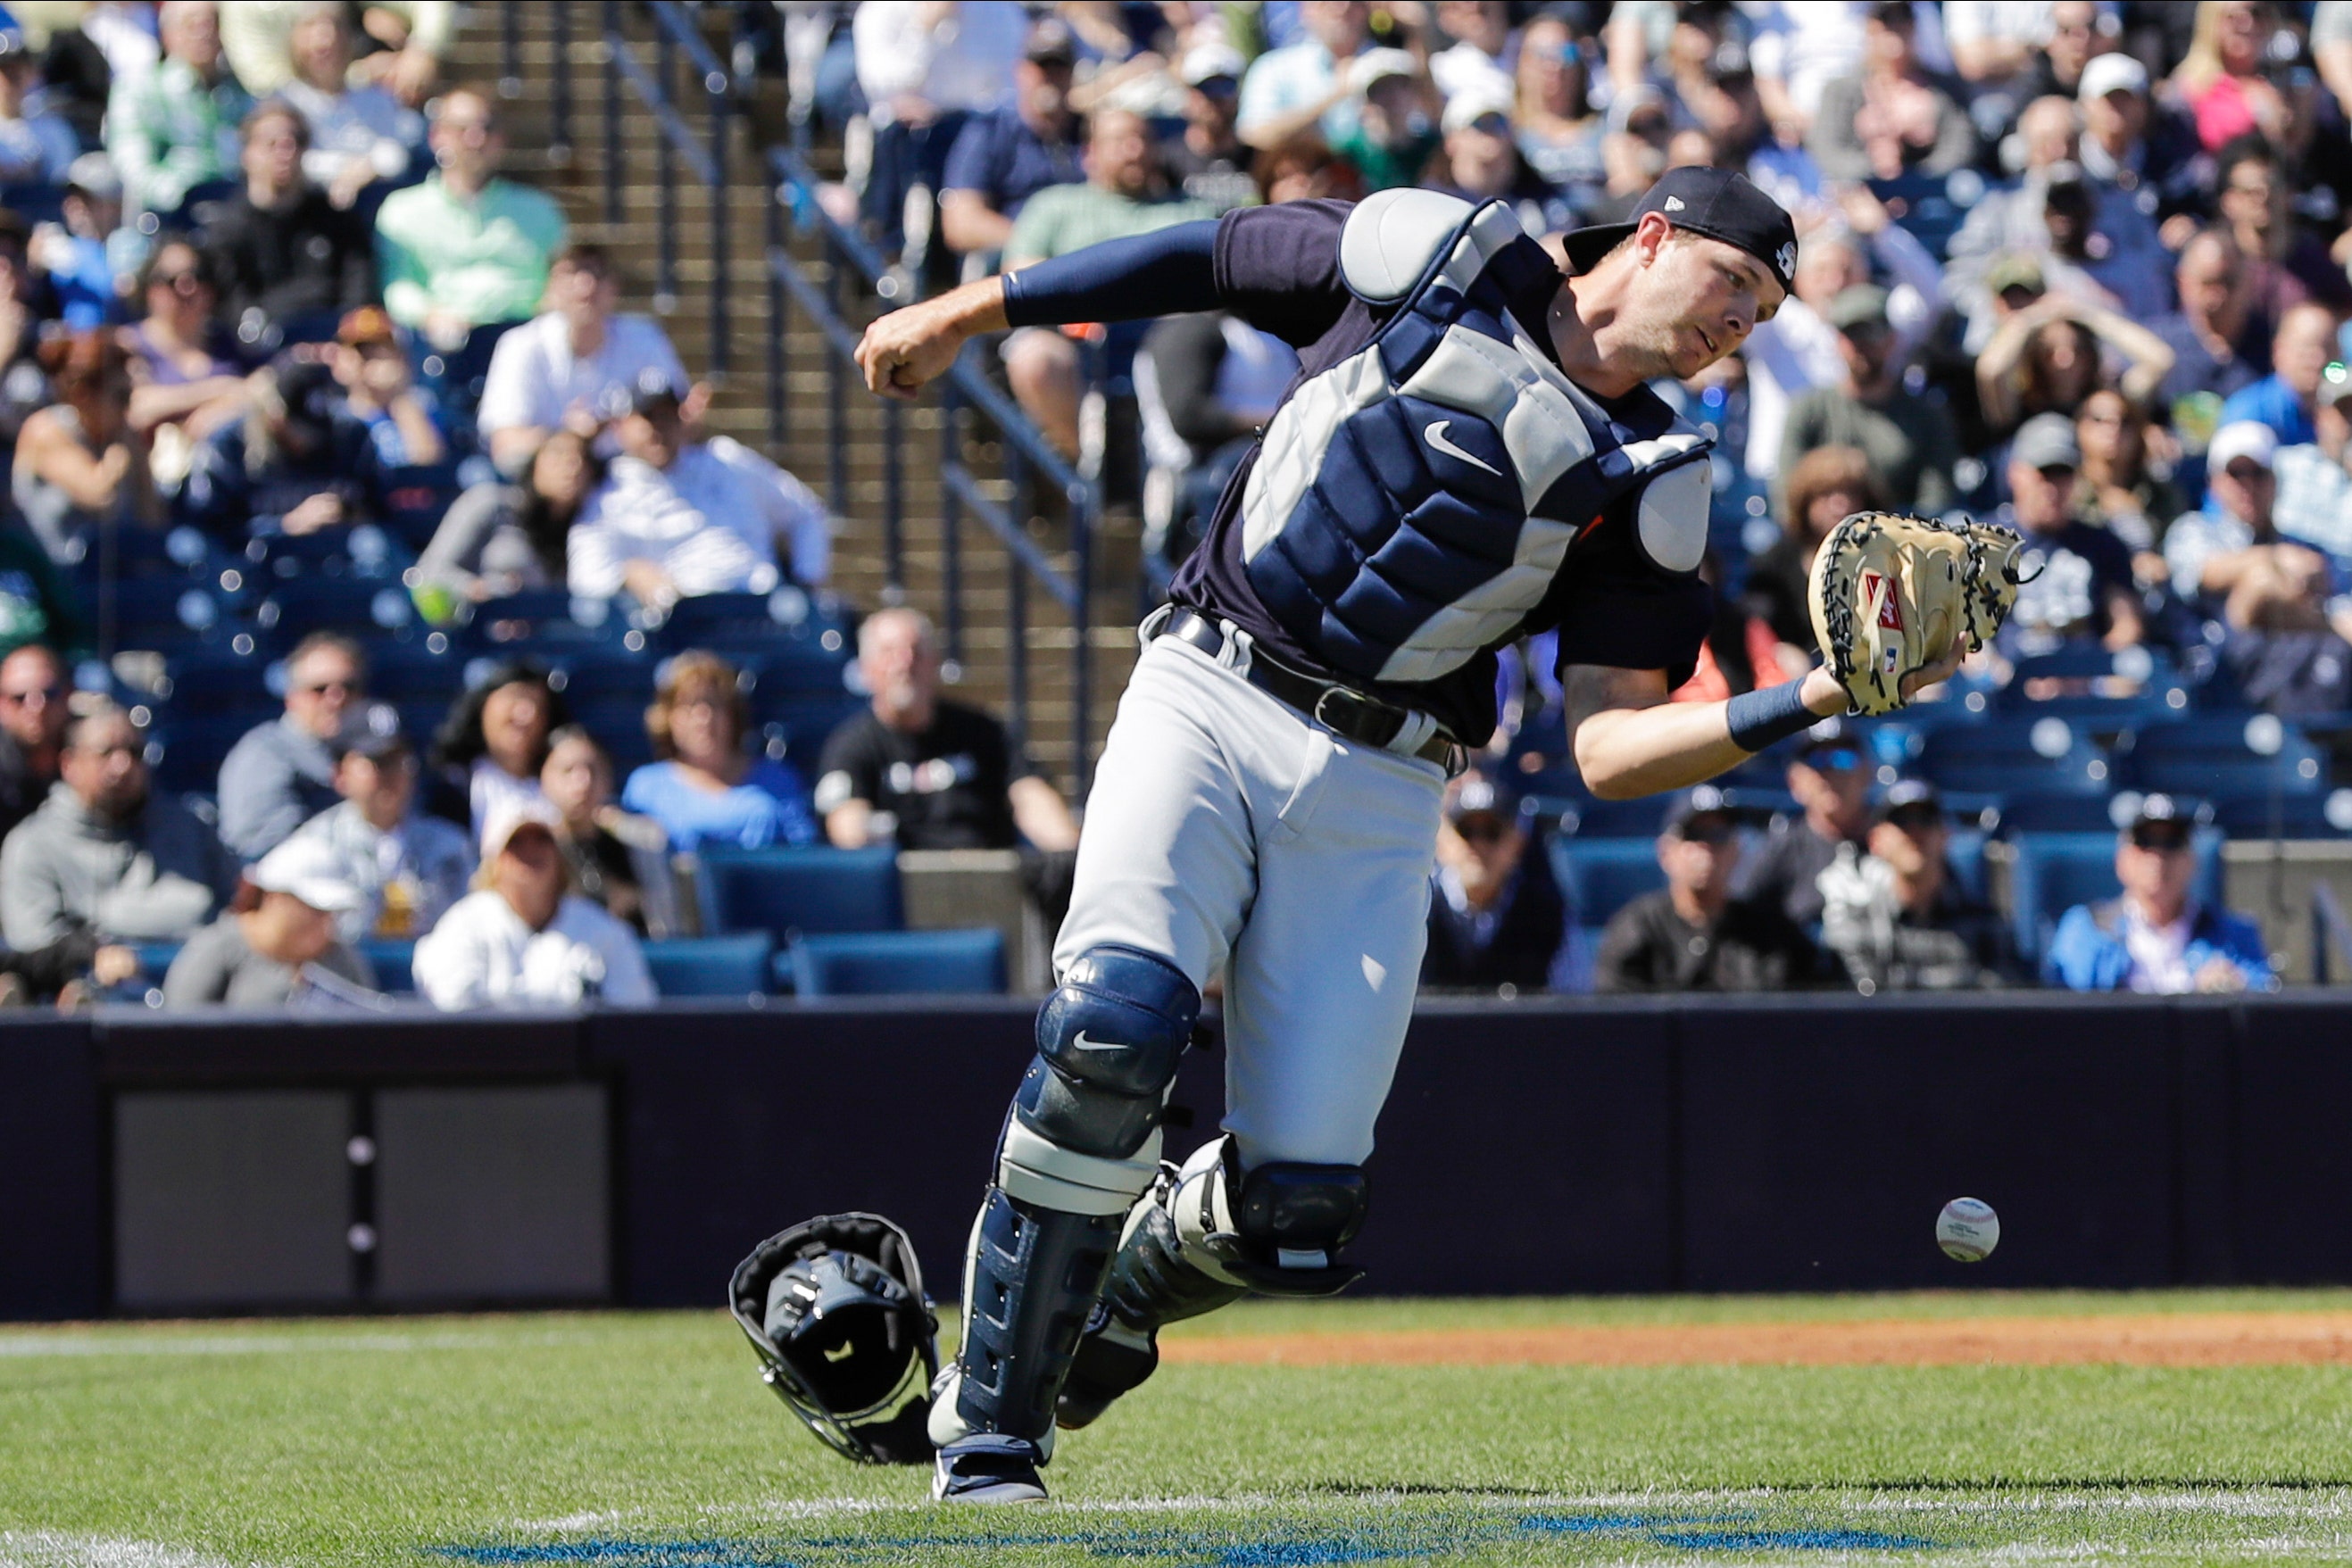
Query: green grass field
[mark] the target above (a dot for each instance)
(643, 1440)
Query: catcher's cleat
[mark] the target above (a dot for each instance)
(988, 1467)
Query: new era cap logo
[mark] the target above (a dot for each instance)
(1673, 204)
(1784, 260)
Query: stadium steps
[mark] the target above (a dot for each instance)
(859, 572)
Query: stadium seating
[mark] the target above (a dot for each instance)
(877, 963)
(2302, 816)
(2215, 755)
(1600, 876)
(2050, 873)
(2015, 757)
(393, 961)
(298, 606)
(711, 966)
(787, 891)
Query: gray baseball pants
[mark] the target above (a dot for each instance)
(1228, 830)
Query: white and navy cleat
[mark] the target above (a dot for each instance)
(988, 1467)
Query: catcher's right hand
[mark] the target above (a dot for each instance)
(1897, 601)
(903, 349)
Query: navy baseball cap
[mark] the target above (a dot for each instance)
(1702, 800)
(1717, 203)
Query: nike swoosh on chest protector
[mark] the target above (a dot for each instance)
(1435, 436)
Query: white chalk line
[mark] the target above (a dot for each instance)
(55, 1549)
(37, 1348)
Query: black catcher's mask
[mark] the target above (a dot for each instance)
(836, 1310)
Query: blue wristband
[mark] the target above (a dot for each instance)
(1768, 715)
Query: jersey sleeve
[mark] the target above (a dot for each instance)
(1615, 610)
(1278, 267)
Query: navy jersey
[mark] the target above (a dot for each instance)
(1280, 268)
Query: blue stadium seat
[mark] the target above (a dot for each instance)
(165, 613)
(1601, 876)
(785, 892)
(803, 725)
(215, 679)
(2058, 814)
(362, 551)
(412, 501)
(2327, 816)
(1636, 818)
(711, 966)
(364, 607)
(404, 672)
(882, 963)
(185, 750)
(2015, 757)
(2051, 873)
(2216, 754)
(591, 672)
(393, 961)
(539, 617)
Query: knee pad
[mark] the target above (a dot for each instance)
(1084, 1134)
(1108, 1045)
(1277, 1229)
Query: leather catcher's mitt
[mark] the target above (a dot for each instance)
(1891, 594)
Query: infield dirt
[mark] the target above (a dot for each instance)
(2161, 1339)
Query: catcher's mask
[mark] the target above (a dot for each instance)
(836, 1310)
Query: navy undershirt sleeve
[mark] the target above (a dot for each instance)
(1164, 273)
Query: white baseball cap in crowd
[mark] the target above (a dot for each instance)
(1376, 65)
(1206, 62)
(506, 821)
(2241, 438)
(2112, 72)
(309, 870)
(1475, 102)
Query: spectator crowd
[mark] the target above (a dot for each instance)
(2081, 266)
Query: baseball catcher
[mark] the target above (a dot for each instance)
(1471, 453)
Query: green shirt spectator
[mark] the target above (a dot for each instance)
(464, 248)
(1060, 219)
(176, 127)
(35, 605)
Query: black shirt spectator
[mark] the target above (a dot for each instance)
(946, 777)
(283, 254)
(1830, 777)
(1897, 916)
(1693, 934)
(945, 787)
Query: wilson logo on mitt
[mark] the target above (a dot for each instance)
(1892, 595)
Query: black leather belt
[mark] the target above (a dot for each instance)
(1343, 710)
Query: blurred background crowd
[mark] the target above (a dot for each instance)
(328, 442)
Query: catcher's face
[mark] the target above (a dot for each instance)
(1709, 296)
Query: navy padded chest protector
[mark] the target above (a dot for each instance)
(1411, 505)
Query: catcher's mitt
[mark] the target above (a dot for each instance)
(1892, 594)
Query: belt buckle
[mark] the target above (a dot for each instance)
(1351, 711)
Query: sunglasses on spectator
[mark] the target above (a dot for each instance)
(43, 695)
(2160, 836)
(2057, 473)
(320, 688)
(180, 283)
(1916, 819)
(1716, 833)
(2246, 472)
(1481, 830)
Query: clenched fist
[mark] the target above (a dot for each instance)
(902, 351)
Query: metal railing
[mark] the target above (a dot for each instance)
(965, 394)
(845, 280)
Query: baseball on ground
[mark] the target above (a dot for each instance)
(1967, 1230)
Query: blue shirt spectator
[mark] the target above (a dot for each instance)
(765, 806)
(705, 789)
(2155, 938)
(2300, 350)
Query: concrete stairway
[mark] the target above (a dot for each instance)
(807, 426)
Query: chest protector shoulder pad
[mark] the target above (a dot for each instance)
(1412, 504)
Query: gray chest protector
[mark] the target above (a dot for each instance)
(1412, 504)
